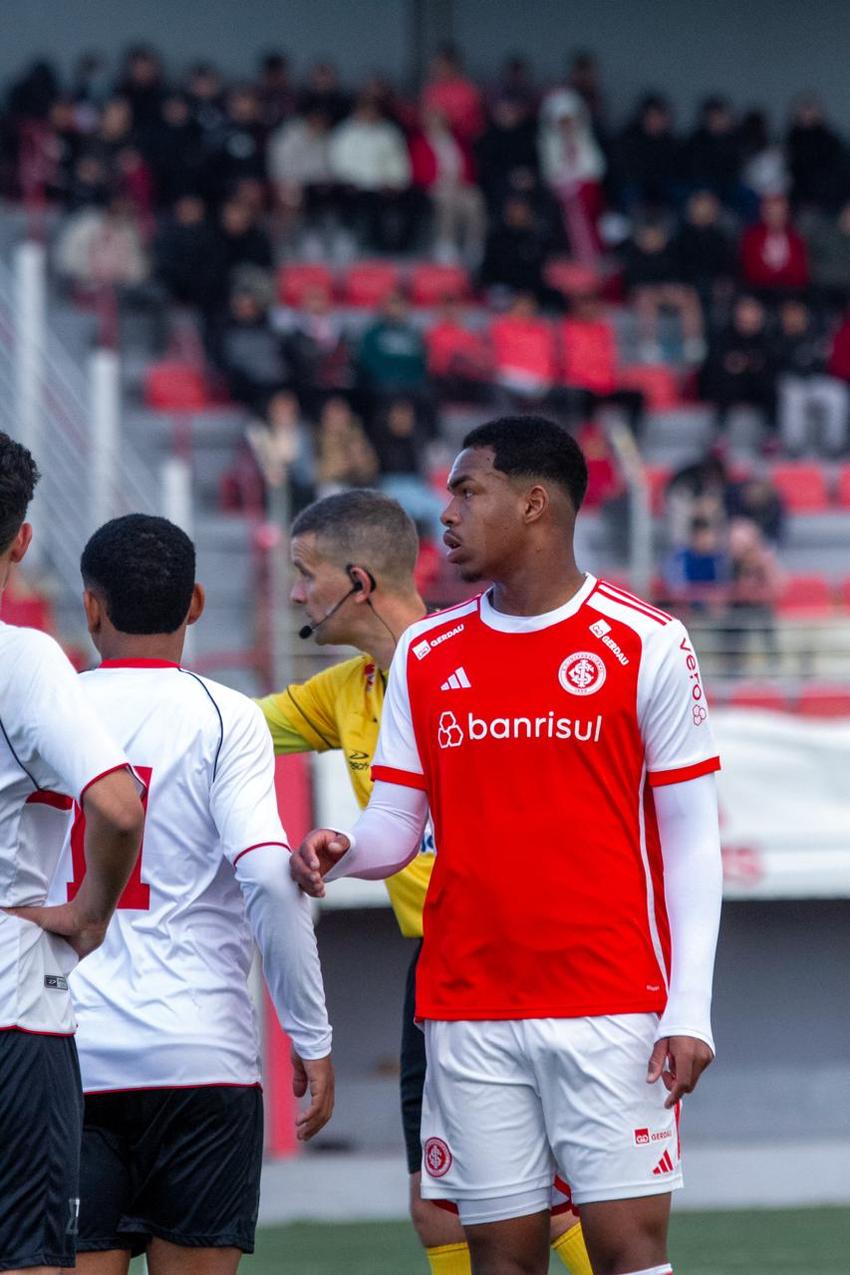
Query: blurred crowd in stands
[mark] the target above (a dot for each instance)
(508, 227)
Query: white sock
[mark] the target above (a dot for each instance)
(666, 1269)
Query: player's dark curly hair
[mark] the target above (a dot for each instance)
(144, 569)
(18, 477)
(534, 447)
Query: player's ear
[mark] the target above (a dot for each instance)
(21, 542)
(196, 606)
(94, 609)
(536, 502)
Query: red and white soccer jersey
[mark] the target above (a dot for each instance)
(52, 748)
(539, 740)
(164, 1002)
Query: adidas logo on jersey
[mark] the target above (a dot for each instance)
(664, 1165)
(601, 629)
(458, 681)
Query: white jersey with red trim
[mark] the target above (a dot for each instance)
(538, 740)
(165, 1001)
(52, 747)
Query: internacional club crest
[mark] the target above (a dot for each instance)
(450, 732)
(437, 1158)
(582, 673)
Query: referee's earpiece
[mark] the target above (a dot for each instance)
(357, 584)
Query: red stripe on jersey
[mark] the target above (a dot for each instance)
(31, 1031)
(406, 778)
(206, 1084)
(57, 800)
(138, 664)
(627, 600)
(258, 845)
(658, 778)
(111, 771)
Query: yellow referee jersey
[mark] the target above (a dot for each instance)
(341, 708)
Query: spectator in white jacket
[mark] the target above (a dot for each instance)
(299, 165)
(370, 160)
(573, 167)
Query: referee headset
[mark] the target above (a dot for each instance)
(307, 630)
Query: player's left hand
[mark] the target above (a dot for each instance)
(317, 1075)
(84, 933)
(678, 1061)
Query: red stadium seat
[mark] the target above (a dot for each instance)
(26, 612)
(824, 701)
(571, 277)
(656, 382)
(802, 486)
(296, 280)
(806, 596)
(762, 695)
(175, 387)
(658, 476)
(844, 594)
(842, 494)
(369, 283)
(430, 284)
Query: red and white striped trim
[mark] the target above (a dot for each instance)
(658, 778)
(257, 846)
(407, 778)
(34, 1031)
(629, 600)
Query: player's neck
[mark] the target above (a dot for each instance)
(138, 646)
(381, 635)
(535, 592)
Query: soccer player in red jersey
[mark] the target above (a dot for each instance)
(557, 726)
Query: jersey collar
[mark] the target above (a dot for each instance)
(532, 623)
(138, 664)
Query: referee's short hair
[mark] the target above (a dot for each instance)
(143, 568)
(18, 477)
(365, 528)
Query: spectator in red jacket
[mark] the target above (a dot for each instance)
(459, 360)
(442, 166)
(589, 365)
(524, 351)
(773, 253)
(450, 91)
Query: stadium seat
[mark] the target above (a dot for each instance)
(806, 595)
(571, 277)
(842, 491)
(763, 695)
(802, 485)
(30, 611)
(369, 283)
(824, 701)
(656, 382)
(296, 280)
(175, 387)
(844, 594)
(430, 284)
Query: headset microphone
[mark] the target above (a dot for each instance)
(307, 630)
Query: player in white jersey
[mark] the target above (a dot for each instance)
(53, 750)
(168, 1041)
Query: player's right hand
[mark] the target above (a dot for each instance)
(317, 1075)
(320, 851)
(69, 921)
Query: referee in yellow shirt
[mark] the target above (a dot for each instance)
(354, 555)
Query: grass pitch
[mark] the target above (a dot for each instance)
(801, 1242)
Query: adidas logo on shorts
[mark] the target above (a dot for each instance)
(664, 1165)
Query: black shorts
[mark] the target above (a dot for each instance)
(41, 1115)
(412, 1071)
(180, 1164)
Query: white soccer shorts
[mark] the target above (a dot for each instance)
(509, 1104)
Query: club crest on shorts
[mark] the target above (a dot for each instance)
(436, 1157)
(582, 673)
